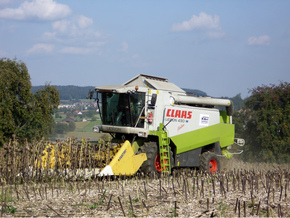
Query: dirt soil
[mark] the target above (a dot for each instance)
(186, 193)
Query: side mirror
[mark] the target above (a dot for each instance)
(90, 95)
(153, 99)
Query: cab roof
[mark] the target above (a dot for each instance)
(144, 81)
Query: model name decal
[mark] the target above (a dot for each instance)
(179, 114)
(179, 128)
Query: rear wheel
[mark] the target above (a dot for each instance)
(153, 164)
(209, 162)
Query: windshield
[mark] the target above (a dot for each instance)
(122, 109)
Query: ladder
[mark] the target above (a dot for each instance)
(164, 149)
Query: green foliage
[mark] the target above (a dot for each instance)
(89, 113)
(238, 102)
(94, 206)
(222, 207)
(9, 209)
(23, 113)
(60, 128)
(71, 126)
(69, 92)
(239, 121)
(6, 196)
(58, 116)
(266, 117)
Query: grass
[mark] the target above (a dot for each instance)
(86, 126)
(222, 207)
(81, 125)
(79, 135)
(90, 126)
(94, 206)
(62, 116)
(82, 130)
(9, 209)
(6, 196)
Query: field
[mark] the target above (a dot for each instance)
(83, 130)
(240, 189)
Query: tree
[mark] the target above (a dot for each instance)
(90, 113)
(266, 123)
(238, 101)
(60, 128)
(24, 114)
(71, 126)
(58, 116)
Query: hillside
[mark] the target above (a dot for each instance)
(71, 92)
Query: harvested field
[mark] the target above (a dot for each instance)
(185, 193)
(240, 189)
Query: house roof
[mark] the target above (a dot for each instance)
(68, 119)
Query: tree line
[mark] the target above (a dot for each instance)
(264, 123)
(263, 119)
(69, 92)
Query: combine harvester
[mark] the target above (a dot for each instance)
(155, 127)
(158, 127)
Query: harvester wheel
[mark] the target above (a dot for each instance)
(152, 165)
(209, 162)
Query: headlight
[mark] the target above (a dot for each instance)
(171, 100)
(96, 129)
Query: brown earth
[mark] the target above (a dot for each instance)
(239, 190)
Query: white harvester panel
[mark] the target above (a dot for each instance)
(187, 119)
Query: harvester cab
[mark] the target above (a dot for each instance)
(159, 127)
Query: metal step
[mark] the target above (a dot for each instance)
(164, 150)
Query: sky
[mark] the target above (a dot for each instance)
(223, 48)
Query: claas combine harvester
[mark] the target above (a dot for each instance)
(157, 126)
(161, 127)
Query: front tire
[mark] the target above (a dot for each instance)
(209, 162)
(152, 165)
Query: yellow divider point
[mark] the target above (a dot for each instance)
(126, 162)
